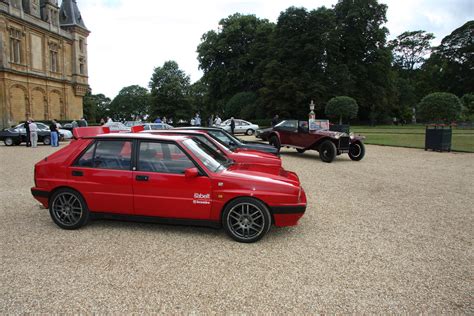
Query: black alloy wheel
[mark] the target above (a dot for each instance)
(246, 220)
(327, 151)
(68, 209)
(8, 141)
(356, 151)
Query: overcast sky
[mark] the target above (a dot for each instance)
(130, 37)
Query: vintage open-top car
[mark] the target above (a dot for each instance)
(164, 178)
(297, 134)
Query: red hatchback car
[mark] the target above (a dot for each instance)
(168, 179)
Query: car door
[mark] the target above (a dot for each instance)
(287, 129)
(103, 175)
(160, 187)
(240, 126)
(302, 138)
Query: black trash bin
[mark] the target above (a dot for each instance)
(438, 137)
(343, 128)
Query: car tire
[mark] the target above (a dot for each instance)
(275, 142)
(246, 220)
(356, 151)
(300, 151)
(8, 141)
(327, 151)
(68, 209)
(250, 132)
(47, 140)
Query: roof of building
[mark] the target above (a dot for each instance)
(69, 14)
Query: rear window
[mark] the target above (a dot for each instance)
(107, 154)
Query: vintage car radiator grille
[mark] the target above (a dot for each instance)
(344, 143)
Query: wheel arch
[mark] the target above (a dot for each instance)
(317, 143)
(51, 193)
(250, 197)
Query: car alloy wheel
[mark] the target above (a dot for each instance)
(246, 220)
(47, 141)
(68, 209)
(8, 141)
(250, 132)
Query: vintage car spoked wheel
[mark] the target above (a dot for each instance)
(327, 151)
(275, 142)
(356, 151)
(68, 209)
(8, 141)
(246, 220)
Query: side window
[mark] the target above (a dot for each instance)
(87, 158)
(112, 154)
(221, 137)
(163, 158)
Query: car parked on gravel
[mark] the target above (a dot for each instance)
(241, 127)
(231, 141)
(168, 179)
(296, 134)
(16, 136)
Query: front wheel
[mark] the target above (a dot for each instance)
(68, 209)
(356, 151)
(246, 220)
(250, 132)
(327, 151)
(275, 142)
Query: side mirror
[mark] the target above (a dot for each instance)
(191, 173)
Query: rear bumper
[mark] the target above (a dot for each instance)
(41, 196)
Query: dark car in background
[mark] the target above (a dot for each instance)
(16, 136)
(231, 141)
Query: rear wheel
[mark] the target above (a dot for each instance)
(246, 220)
(47, 140)
(250, 132)
(299, 150)
(8, 141)
(327, 151)
(68, 209)
(275, 142)
(356, 151)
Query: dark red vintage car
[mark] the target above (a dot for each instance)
(329, 144)
(167, 179)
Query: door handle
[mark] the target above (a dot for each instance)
(141, 178)
(77, 173)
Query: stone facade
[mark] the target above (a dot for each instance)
(43, 61)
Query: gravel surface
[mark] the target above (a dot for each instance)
(392, 233)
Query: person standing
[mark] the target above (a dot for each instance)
(217, 121)
(109, 119)
(84, 122)
(54, 134)
(28, 135)
(275, 120)
(197, 120)
(158, 120)
(33, 134)
(232, 125)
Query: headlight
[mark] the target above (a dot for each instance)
(351, 135)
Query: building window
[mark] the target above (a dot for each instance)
(54, 59)
(15, 45)
(81, 45)
(82, 66)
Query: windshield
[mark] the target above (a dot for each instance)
(211, 159)
(224, 138)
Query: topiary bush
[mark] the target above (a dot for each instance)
(342, 107)
(439, 107)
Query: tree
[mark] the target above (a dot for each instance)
(230, 58)
(170, 92)
(468, 106)
(410, 48)
(96, 106)
(342, 107)
(241, 105)
(131, 103)
(440, 107)
(361, 48)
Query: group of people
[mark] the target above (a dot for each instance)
(163, 120)
(32, 133)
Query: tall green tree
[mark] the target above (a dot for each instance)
(170, 92)
(96, 106)
(363, 51)
(230, 57)
(131, 103)
(410, 49)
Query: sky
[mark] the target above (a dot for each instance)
(129, 38)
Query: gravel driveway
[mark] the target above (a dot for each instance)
(390, 234)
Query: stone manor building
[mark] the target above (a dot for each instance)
(43, 60)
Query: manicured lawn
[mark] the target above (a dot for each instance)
(412, 136)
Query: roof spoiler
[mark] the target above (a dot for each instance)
(85, 132)
(137, 129)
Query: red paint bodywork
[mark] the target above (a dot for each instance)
(169, 195)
